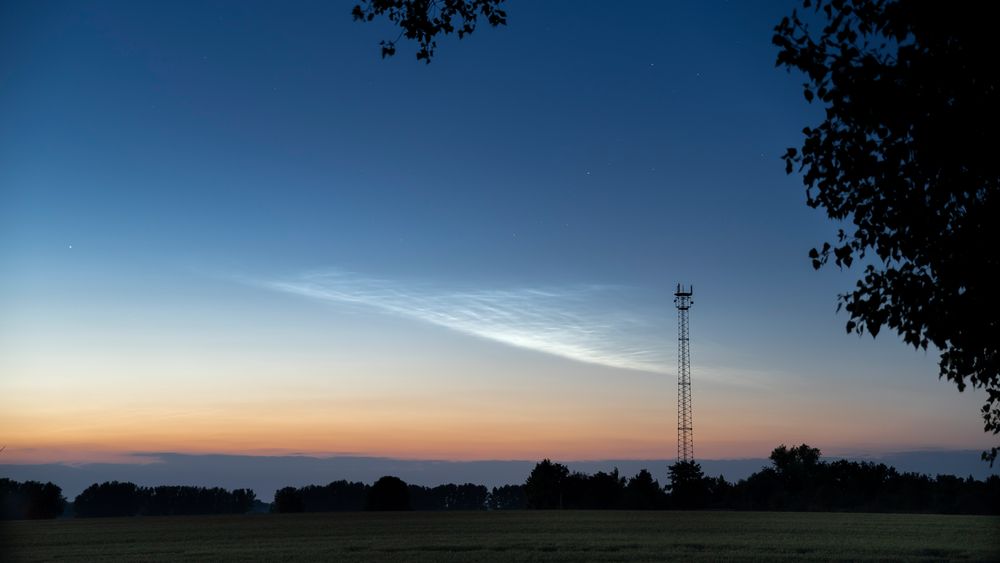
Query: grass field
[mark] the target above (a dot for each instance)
(510, 536)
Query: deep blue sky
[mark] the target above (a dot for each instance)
(615, 145)
(212, 209)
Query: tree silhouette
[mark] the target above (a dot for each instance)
(544, 487)
(424, 20)
(338, 495)
(643, 492)
(30, 500)
(109, 499)
(185, 499)
(128, 499)
(688, 486)
(797, 459)
(388, 493)
(507, 497)
(606, 490)
(798, 473)
(905, 158)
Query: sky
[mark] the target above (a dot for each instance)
(232, 228)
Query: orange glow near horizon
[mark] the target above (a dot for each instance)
(399, 427)
(433, 395)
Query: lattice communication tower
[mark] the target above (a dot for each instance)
(685, 430)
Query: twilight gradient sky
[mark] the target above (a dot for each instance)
(230, 227)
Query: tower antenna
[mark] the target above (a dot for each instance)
(685, 430)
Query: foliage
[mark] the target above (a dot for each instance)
(906, 156)
(449, 497)
(797, 480)
(30, 500)
(544, 487)
(128, 499)
(424, 20)
(388, 493)
(688, 487)
(605, 490)
(598, 491)
(507, 497)
(112, 498)
(336, 496)
(795, 467)
(797, 459)
(288, 499)
(168, 500)
(351, 496)
(643, 492)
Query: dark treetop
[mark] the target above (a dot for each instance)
(423, 20)
(906, 161)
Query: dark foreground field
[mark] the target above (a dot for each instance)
(510, 536)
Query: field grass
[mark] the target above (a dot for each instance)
(510, 536)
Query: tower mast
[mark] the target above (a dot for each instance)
(685, 430)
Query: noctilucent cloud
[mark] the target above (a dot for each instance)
(576, 323)
(233, 228)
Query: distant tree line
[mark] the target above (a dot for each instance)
(551, 486)
(30, 499)
(388, 493)
(335, 497)
(797, 480)
(507, 497)
(128, 499)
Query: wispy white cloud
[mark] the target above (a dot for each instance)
(592, 324)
